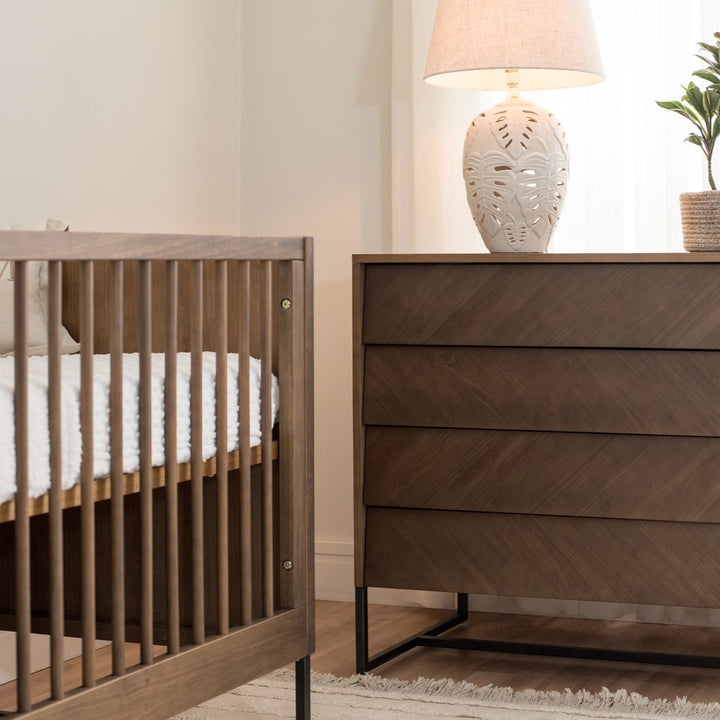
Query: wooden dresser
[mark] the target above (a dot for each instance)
(539, 425)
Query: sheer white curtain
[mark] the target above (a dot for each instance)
(628, 161)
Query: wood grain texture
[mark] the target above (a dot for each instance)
(55, 494)
(523, 258)
(585, 474)
(196, 442)
(295, 524)
(526, 304)
(268, 546)
(358, 425)
(245, 510)
(535, 556)
(309, 469)
(221, 434)
(25, 245)
(72, 307)
(21, 535)
(86, 585)
(610, 391)
(193, 676)
(144, 321)
(172, 559)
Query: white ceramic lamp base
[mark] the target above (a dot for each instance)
(515, 165)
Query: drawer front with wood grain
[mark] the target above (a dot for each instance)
(534, 556)
(659, 392)
(584, 474)
(563, 305)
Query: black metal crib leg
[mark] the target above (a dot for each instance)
(302, 688)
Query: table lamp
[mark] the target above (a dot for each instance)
(515, 160)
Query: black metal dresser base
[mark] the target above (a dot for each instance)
(432, 637)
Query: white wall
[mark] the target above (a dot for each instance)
(213, 116)
(121, 114)
(315, 149)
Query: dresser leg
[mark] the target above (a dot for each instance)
(364, 663)
(361, 630)
(462, 607)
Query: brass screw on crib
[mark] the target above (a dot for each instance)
(286, 304)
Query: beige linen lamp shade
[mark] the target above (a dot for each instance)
(515, 158)
(551, 42)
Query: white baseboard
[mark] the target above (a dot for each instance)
(335, 580)
(334, 570)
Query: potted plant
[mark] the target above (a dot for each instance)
(700, 211)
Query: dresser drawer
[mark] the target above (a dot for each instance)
(577, 390)
(631, 561)
(542, 304)
(583, 474)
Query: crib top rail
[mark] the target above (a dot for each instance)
(32, 245)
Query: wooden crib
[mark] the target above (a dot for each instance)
(198, 573)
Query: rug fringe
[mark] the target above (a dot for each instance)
(619, 701)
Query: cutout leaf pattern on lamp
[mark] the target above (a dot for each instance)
(516, 175)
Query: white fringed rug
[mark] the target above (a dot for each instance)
(371, 697)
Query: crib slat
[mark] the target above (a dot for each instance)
(196, 346)
(87, 509)
(171, 465)
(117, 513)
(22, 519)
(221, 428)
(146, 521)
(244, 446)
(55, 496)
(266, 429)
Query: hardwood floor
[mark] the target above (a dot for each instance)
(389, 624)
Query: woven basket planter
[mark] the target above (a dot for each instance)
(700, 212)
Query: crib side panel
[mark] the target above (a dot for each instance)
(242, 537)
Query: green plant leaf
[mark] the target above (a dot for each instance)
(712, 49)
(694, 96)
(670, 104)
(686, 114)
(701, 105)
(706, 104)
(716, 127)
(714, 96)
(707, 75)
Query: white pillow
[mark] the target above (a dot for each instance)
(36, 305)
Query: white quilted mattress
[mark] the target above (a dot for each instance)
(39, 440)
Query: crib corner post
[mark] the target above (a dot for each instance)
(294, 507)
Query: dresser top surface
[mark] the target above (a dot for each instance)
(542, 258)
